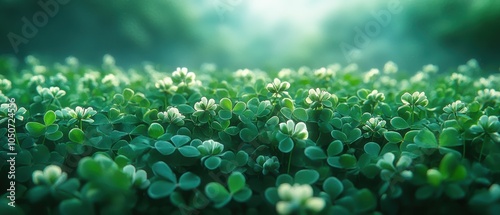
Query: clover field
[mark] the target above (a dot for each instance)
(86, 139)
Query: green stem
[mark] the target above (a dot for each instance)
(482, 147)
(412, 114)
(463, 150)
(81, 124)
(289, 162)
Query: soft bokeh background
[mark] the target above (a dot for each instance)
(266, 34)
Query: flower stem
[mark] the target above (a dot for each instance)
(289, 162)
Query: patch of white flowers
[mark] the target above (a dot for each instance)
(110, 80)
(172, 115)
(370, 75)
(166, 85)
(390, 68)
(297, 197)
(244, 74)
(52, 175)
(5, 85)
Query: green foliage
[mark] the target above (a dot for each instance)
(174, 143)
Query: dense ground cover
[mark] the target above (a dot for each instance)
(334, 140)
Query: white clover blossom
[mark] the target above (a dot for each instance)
(459, 78)
(111, 80)
(415, 99)
(72, 61)
(139, 178)
(206, 105)
(370, 75)
(210, 148)
(36, 80)
(244, 74)
(183, 77)
(297, 197)
(324, 73)
(172, 115)
(457, 107)
(418, 77)
(297, 131)
(390, 68)
(284, 73)
(486, 82)
(374, 126)
(471, 66)
(39, 69)
(5, 84)
(166, 85)
(51, 92)
(488, 95)
(430, 68)
(278, 88)
(3, 98)
(59, 78)
(52, 175)
(318, 97)
(31, 60)
(83, 114)
(108, 60)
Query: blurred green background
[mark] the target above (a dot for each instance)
(266, 34)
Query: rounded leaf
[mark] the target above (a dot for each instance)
(180, 140)
(449, 137)
(72, 206)
(315, 153)
(189, 151)
(242, 195)
(426, 139)
(226, 104)
(365, 201)
(335, 148)
(286, 145)
(76, 135)
(271, 195)
(165, 148)
(189, 181)
(347, 161)
(217, 193)
(454, 191)
(424, 192)
(339, 135)
(236, 182)
(333, 187)
(248, 134)
(161, 169)
(212, 162)
(372, 148)
(160, 189)
(88, 168)
(399, 123)
(35, 129)
(306, 176)
(300, 114)
(393, 137)
(49, 118)
(155, 130)
(225, 114)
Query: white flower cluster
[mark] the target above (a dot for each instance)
(297, 197)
